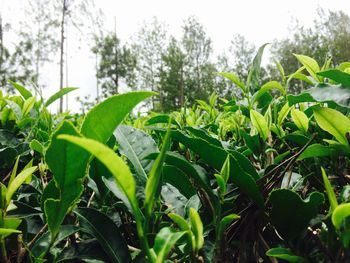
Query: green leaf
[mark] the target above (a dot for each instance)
(102, 120)
(319, 150)
(176, 177)
(260, 124)
(301, 76)
(136, 145)
(26, 94)
(310, 64)
(58, 95)
(280, 68)
(284, 204)
(331, 93)
(300, 119)
(18, 181)
(192, 172)
(43, 243)
(330, 192)
(162, 118)
(112, 161)
(180, 221)
(164, 241)
(68, 165)
(197, 228)
(203, 134)
(333, 122)
(35, 145)
(225, 222)
(28, 105)
(225, 170)
(106, 232)
(285, 254)
(283, 113)
(266, 87)
(341, 212)
(153, 182)
(4, 232)
(232, 77)
(242, 173)
(254, 71)
(337, 75)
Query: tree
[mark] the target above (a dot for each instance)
(242, 52)
(116, 63)
(198, 49)
(151, 42)
(172, 76)
(329, 37)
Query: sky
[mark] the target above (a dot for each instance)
(259, 21)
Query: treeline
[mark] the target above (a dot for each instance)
(180, 69)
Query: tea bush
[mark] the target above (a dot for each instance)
(261, 177)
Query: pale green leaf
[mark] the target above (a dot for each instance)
(260, 124)
(300, 119)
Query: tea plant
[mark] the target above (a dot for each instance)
(261, 177)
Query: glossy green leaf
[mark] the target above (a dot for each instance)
(28, 105)
(285, 254)
(284, 204)
(333, 122)
(242, 173)
(26, 94)
(44, 243)
(341, 212)
(4, 232)
(68, 163)
(267, 87)
(180, 221)
(154, 178)
(18, 181)
(106, 232)
(232, 77)
(136, 145)
(310, 64)
(260, 124)
(112, 161)
(337, 75)
(330, 192)
(102, 120)
(254, 71)
(319, 150)
(300, 119)
(197, 228)
(163, 118)
(58, 95)
(35, 145)
(176, 177)
(225, 222)
(164, 242)
(331, 93)
(283, 113)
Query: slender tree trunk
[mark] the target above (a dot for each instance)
(181, 86)
(64, 9)
(116, 80)
(97, 89)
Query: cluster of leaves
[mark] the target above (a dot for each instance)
(246, 180)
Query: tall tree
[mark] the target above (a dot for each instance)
(151, 42)
(116, 63)
(172, 76)
(198, 49)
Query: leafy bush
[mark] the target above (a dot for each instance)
(257, 178)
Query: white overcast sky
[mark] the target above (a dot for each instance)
(260, 21)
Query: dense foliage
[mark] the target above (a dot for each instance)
(260, 177)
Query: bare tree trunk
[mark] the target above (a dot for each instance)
(182, 86)
(64, 9)
(116, 80)
(97, 89)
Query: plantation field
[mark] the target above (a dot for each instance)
(261, 177)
